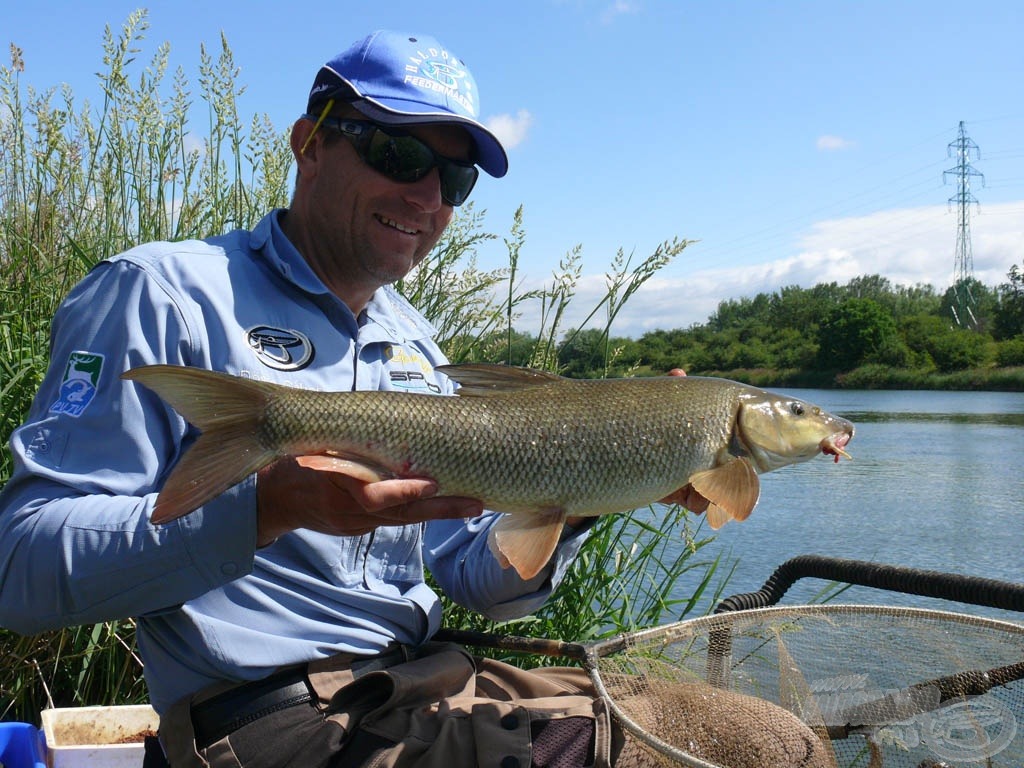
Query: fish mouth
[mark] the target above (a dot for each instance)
(834, 445)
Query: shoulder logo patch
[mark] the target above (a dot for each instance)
(78, 388)
(280, 348)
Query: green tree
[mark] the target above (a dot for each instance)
(590, 354)
(1010, 352)
(790, 348)
(741, 313)
(797, 308)
(958, 349)
(874, 287)
(920, 299)
(985, 303)
(853, 331)
(918, 331)
(1008, 319)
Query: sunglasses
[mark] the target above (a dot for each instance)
(404, 158)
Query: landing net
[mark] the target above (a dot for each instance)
(836, 686)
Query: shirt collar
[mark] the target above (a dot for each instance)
(386, 308)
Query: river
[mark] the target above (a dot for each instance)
(935, 482)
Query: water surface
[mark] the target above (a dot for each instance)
(935, 483)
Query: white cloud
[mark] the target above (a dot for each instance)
(511, 130)
(908, 246)
(828, 143)
(918, 245)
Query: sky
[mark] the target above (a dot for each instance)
(794, 142)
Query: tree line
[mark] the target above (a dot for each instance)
(866, 333)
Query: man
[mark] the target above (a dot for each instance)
(287, 622)
(257, 609)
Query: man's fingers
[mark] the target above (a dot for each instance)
(367, 486)
(385, 494)
(339, 466)
(689, 498)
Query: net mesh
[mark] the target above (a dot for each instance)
(835, 686)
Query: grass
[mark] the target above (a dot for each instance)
(78, 183)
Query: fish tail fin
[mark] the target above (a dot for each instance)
(228, 412)
(526, 542)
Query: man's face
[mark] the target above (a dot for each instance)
(369, 229)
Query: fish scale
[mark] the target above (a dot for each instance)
(532, 444)
(598, 452)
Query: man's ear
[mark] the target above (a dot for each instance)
(305, 145)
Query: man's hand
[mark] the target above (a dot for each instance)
(689, 498)
(328, 495)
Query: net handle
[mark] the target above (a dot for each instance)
(515, 643)
(912, 581)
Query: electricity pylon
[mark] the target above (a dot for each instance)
(963, 304)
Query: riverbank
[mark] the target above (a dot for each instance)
(987, 379)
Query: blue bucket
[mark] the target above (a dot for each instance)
(21, 746)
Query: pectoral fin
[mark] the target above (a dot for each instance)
(526, 542)
(732, 490)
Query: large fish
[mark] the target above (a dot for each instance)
(535, 445)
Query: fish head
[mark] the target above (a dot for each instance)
(776, 430)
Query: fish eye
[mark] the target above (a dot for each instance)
(797, 409)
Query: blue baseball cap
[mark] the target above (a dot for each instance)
(399, 79)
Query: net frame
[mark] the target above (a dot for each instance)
(969, 682)
(933, 584)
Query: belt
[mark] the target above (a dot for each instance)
(226, 712)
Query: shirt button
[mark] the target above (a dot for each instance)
(510, 762)
(510, 722)
(228, 569)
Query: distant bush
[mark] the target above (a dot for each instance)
(958, 350)
(1010, 352)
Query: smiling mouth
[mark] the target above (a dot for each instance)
(395, 225)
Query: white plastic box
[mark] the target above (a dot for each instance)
(97, 737)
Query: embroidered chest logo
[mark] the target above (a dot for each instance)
(78, 388)
(415, 375)
(280, 348)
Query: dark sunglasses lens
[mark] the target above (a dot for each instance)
(457, 182)
(402, 158)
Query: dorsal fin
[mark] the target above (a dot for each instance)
(482, 379)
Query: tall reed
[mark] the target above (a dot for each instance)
(79, 183)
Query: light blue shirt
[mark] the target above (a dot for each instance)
(76, 545)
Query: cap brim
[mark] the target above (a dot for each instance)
(491, 156)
